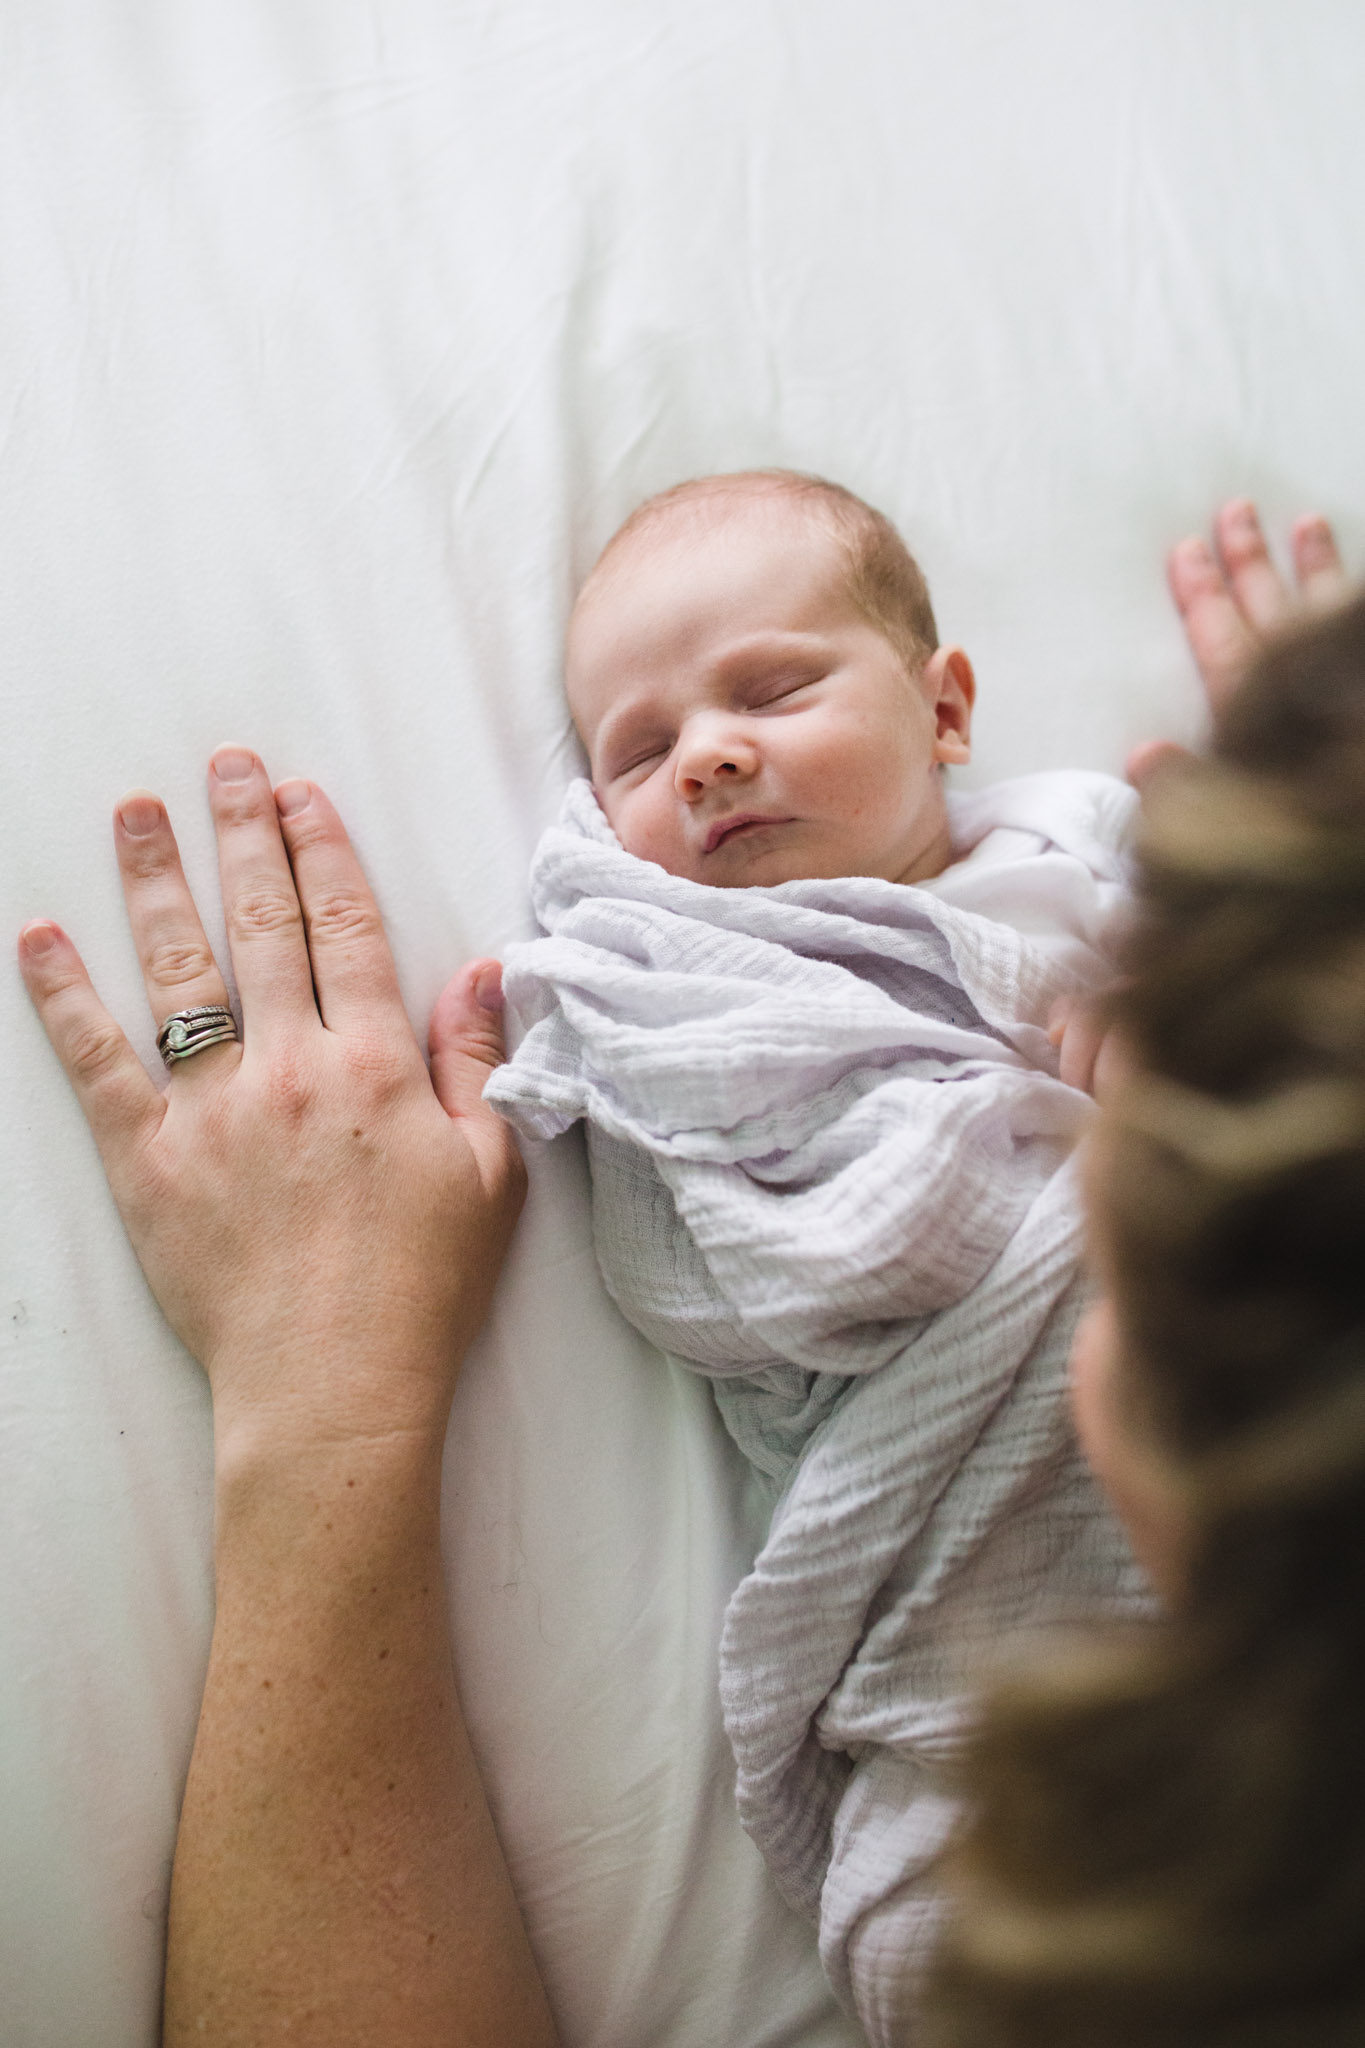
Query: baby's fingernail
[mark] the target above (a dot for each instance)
(38, 938)
(233, 764)
(488, 988)
(293, 796)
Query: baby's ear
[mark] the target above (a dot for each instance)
(950, 688)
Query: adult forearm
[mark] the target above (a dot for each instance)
(337, 1877)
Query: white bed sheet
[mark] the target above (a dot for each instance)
(337, 336)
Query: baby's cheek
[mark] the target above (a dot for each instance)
(636, 824)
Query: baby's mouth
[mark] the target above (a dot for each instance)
(732, 828)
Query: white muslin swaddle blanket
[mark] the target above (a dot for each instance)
(830, 1160)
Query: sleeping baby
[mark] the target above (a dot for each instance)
(800, 996)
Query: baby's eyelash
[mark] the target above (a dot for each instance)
(638, 760)
(783, 689)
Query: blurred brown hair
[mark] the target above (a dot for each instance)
(1169, 1835)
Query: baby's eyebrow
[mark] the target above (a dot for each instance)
(768, 650)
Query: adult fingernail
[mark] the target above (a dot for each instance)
(292, 796)
(38, 938)
(139, 815)
(488, 989)
(233, 764)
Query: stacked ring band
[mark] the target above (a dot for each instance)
(186, 1032)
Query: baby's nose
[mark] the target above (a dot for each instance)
(708, 757)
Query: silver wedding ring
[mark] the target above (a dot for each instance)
(186, 1032)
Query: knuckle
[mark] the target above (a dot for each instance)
(263, 913)
(93, 1049)
(342, 914)
(290, 1090)
(311, 831)
(238, 804)
(148, 860)
(171, 963)
(1244, 549)
(55, 980)
(486, 1044)
(376, 1060)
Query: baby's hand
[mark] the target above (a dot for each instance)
(1231, 596)
(1088, 1046)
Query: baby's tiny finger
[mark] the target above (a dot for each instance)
(1080, 1047)
(1256, 583)
(1317, 562)
(1221, 641)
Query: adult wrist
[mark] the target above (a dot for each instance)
(312, 1450)
(301, 1397)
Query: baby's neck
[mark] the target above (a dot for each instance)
(932, 862)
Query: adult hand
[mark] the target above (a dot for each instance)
(323, 1224)
(1231, 597)
(320, 1220)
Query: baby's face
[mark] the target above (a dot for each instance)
(745, 723)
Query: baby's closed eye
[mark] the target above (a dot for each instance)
(779, 691)
(639, 757)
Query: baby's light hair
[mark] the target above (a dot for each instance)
(885, 581)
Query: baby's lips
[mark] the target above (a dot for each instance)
(723, 827)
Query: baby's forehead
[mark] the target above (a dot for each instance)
(692, 518)
(670, 532)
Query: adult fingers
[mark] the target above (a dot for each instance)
(111, 1084)
(353, 970)
(178, 967)
(1317, 564)
(1257, 586)
(466, 1044)
(260, 902)
(1220, 639)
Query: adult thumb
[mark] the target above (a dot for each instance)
(466, 1038)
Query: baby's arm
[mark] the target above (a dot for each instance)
(1230, 597)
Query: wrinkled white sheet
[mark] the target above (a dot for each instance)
(337, 335)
